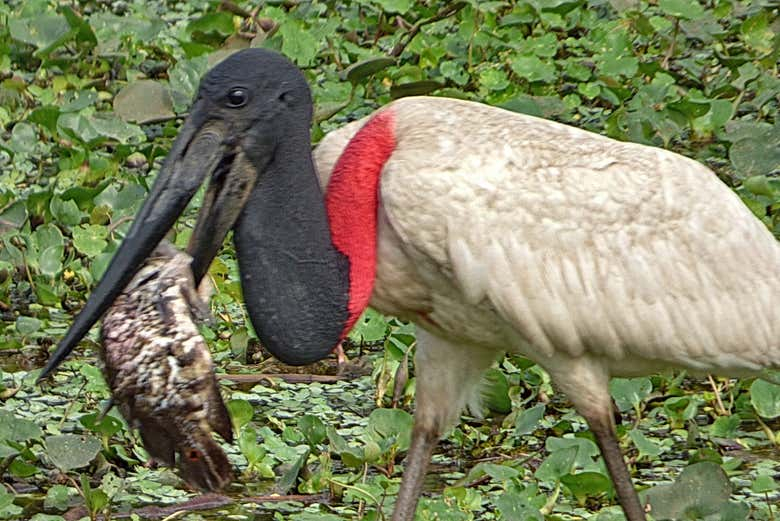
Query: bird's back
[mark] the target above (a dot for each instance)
(566, 243)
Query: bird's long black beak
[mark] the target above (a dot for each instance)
(198, 151)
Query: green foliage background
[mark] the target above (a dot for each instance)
(91, 94)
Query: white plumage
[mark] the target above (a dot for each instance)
(595, 258)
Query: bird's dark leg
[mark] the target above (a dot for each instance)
(424, 440)
(448, 376)
(585, 381)
(602, 426)
(595, 405)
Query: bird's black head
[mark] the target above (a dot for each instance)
(248, 133)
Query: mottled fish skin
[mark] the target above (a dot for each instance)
(160, 370)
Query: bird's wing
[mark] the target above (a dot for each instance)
(585, 245)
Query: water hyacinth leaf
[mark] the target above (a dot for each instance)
(689, 9)
(765, 398)
(57, 498)
(13, 428)
(47, 517)
(298, 44)
(370, 327)
(106, 425)
(65, 211)
(557, 464)
(241, 412)
(515, 505)
(391, 423)
(40, 31)
(313, 429)
(72, 451)
(701, 490)
(533, 68)
(183, 79)
(7, 508)
(763, 483)
(495, 392)
(497, 472)
(27, 325)
(629, 393)
(587, 484)
(528, 420)
(143, 101)
(725, 426)
(645, 446)
(90, 239)
(755, 149)
(394, 6)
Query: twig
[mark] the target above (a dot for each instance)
(116, 224)
(212, 501)
(670, 51)
(718, 401)
(287, 377)
(445, 12)
(769, 433)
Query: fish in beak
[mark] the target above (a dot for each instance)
(248, 133)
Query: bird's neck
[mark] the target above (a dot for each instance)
(352, 200)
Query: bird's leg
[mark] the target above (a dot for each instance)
(448, 378)
(424, 440)
(603, 428)
(586, 382)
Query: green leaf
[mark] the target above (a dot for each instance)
(394, 6)
(688, 9)
(526, 421)
(725, 426)
(41, 31)
(557, 465)
(515, 506)
(495, 391)
(57, 498)
(630, 392)
(415, 88)
(66, 212)
(72, 451)
(143, 101)
(702, 489)
(7, 508)
(533, 68)
(365, 68)
(765, 398)
(241, 412)
(393, 424)
(763, 483)
(90, 239)
(645, 446)
(298, 44)
(27, 325)
(587, 484)
(219, 22)
(313, 429)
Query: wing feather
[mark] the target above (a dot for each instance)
(582, 244)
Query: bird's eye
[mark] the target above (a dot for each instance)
(237, 98)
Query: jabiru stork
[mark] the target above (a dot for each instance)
(494, 231)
